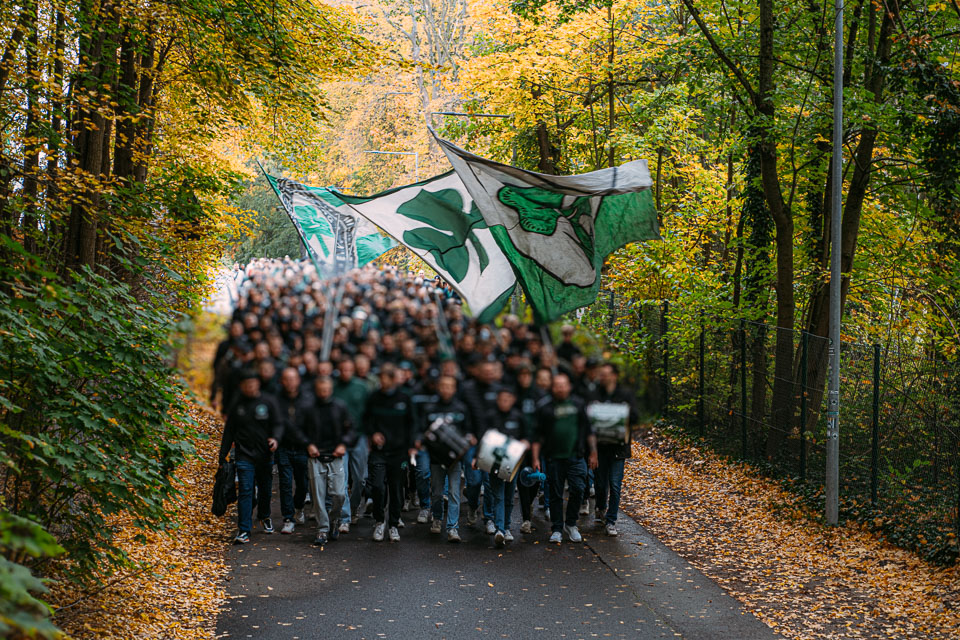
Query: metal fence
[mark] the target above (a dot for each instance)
(713, 377)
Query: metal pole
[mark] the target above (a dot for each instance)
(702, 339)
(833, 388)
(610, 312)
(805, 342)
(875, 438)
(664, 327)
(743, 388)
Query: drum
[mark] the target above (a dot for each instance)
(500, 455)
(444, 442)
(609, 421)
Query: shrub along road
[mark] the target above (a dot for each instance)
(423, 587)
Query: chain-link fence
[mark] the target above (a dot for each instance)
(716, 377)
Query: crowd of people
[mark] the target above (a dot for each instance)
(347, 423)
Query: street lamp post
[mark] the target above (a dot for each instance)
(416, 159)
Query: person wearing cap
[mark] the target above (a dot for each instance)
(254, 428)
(452, 411)
(327, 434)
(608, 476)
(566, 349)
(388, 420)
(506, 418)
(567, 440)
(528, 396)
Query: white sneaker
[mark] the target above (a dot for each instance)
(599, 516)
(491, 528)
(299, 518)
(424, 516)
(344, 527)
(499, 539)
(471, 515)
(593, 491)
(453, 535)
(307, 499)
(378, 531)
(400, 524)
(288, 526)
(585, 508)
(394, 535)
(407, 505)
(573, 533)
(555, 537)
(526, 527)
(436, 526)
(612, 530)
(508, 536)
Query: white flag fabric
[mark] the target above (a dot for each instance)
(438, 220)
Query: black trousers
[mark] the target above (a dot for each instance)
(386, 478)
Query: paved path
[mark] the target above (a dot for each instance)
(423, 587)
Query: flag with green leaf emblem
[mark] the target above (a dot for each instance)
(557, 230)
(438, 221)
(336, 238)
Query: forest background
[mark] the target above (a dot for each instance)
(129, 130)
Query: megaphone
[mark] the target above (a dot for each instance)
(529, 477)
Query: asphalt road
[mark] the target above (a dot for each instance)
(282, 588)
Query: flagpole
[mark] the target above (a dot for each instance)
(446, 340)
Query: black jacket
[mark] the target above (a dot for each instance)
(293, 410)
(479, 398)
(392, 415)
(455, 412)
(510, 423)
(250, 422)
(326, 425)
(545, 422)
(620, 395)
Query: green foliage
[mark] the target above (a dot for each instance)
(21, 613)
(274, 236)
(92, 421)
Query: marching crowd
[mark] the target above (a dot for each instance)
(396, 416)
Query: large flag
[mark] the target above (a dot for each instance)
(438, 221)
(557, 230)
(336, 238)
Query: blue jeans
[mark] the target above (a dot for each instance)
(473, 478)
(609, 479)
(355, 462)
(439, 476)
(502, 496)
(487, 498)
(423, 478)
(292, 467)
(573, 472)
(252, 473)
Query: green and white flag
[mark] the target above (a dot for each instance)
(557, 230)
(438, 221)
(336, 238)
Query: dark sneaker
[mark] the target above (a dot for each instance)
(334, 533)
(242, 538)
(267, 525)
(320, 540)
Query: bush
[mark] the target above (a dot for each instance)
(22, 614)
(92, 417)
